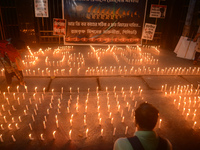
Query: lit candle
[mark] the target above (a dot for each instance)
(19, 118)
(140, 92)
(25, 112)
(4, 117)
(160, 123)
(194, 125)
(13, 138)
(111, 121)
(1, 139)
(183, 111)
(62, 90)
(70, 134)
(3, 107)
(186, 116)
(162, 88)
(97, 89)
(98, 108)
(48, 111)
(139, 89)
(123, 119)
(108, 108)
(2, 128)
(101, 132)
(17, 127)
(33, 118)
(70, 121)
(45, 118)
(34, 96)
(165, 87)
(44, 124)
(30, 126)
(14, 96)
(122, 113)
(110, 114)
(44, 90)
(35, 89)
(18, 101)
(30, 137)
(30, 101)
(114, 130)
(126, 130)
(52, 91)
(86, 133)
(68, 110)
(9, 127)
(13, 120)
(35, 112)
(41, 137)
(85, 108)
(194, 117)
(8, 88)
(114, 88)
(179, 105)
(4, 94)
(23, 96)
(26, 88)
(57, 124)
(118, 108)
(18, 89)
(54, 134)
(9, 112)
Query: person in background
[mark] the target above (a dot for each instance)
(197, 48)
(146, 117)
(11, 59)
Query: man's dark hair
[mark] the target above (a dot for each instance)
(18, 44)
(146, 116)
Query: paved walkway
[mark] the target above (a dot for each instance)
(171, 85)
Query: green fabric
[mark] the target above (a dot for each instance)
(148, 139)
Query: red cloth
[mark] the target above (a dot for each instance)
(10, 50)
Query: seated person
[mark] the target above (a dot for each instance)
(11, 59)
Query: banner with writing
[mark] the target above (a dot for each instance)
(41, 8)
(104, 21)
(59, 26)
(149, 31)
(158, 11)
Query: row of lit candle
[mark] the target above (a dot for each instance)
(85, 123)
(188, 105)
(101, 71)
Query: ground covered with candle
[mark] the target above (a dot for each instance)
(85, 97)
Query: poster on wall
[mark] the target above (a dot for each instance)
(148, 32)
(158, 11)
(41, 8)
(104, 21)
(59, 26)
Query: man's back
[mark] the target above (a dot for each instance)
(148, 139)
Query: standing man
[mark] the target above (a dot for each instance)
(146, 117)
(11, 59)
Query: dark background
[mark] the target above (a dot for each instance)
(17, 19)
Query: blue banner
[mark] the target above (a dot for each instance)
(104, 21)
